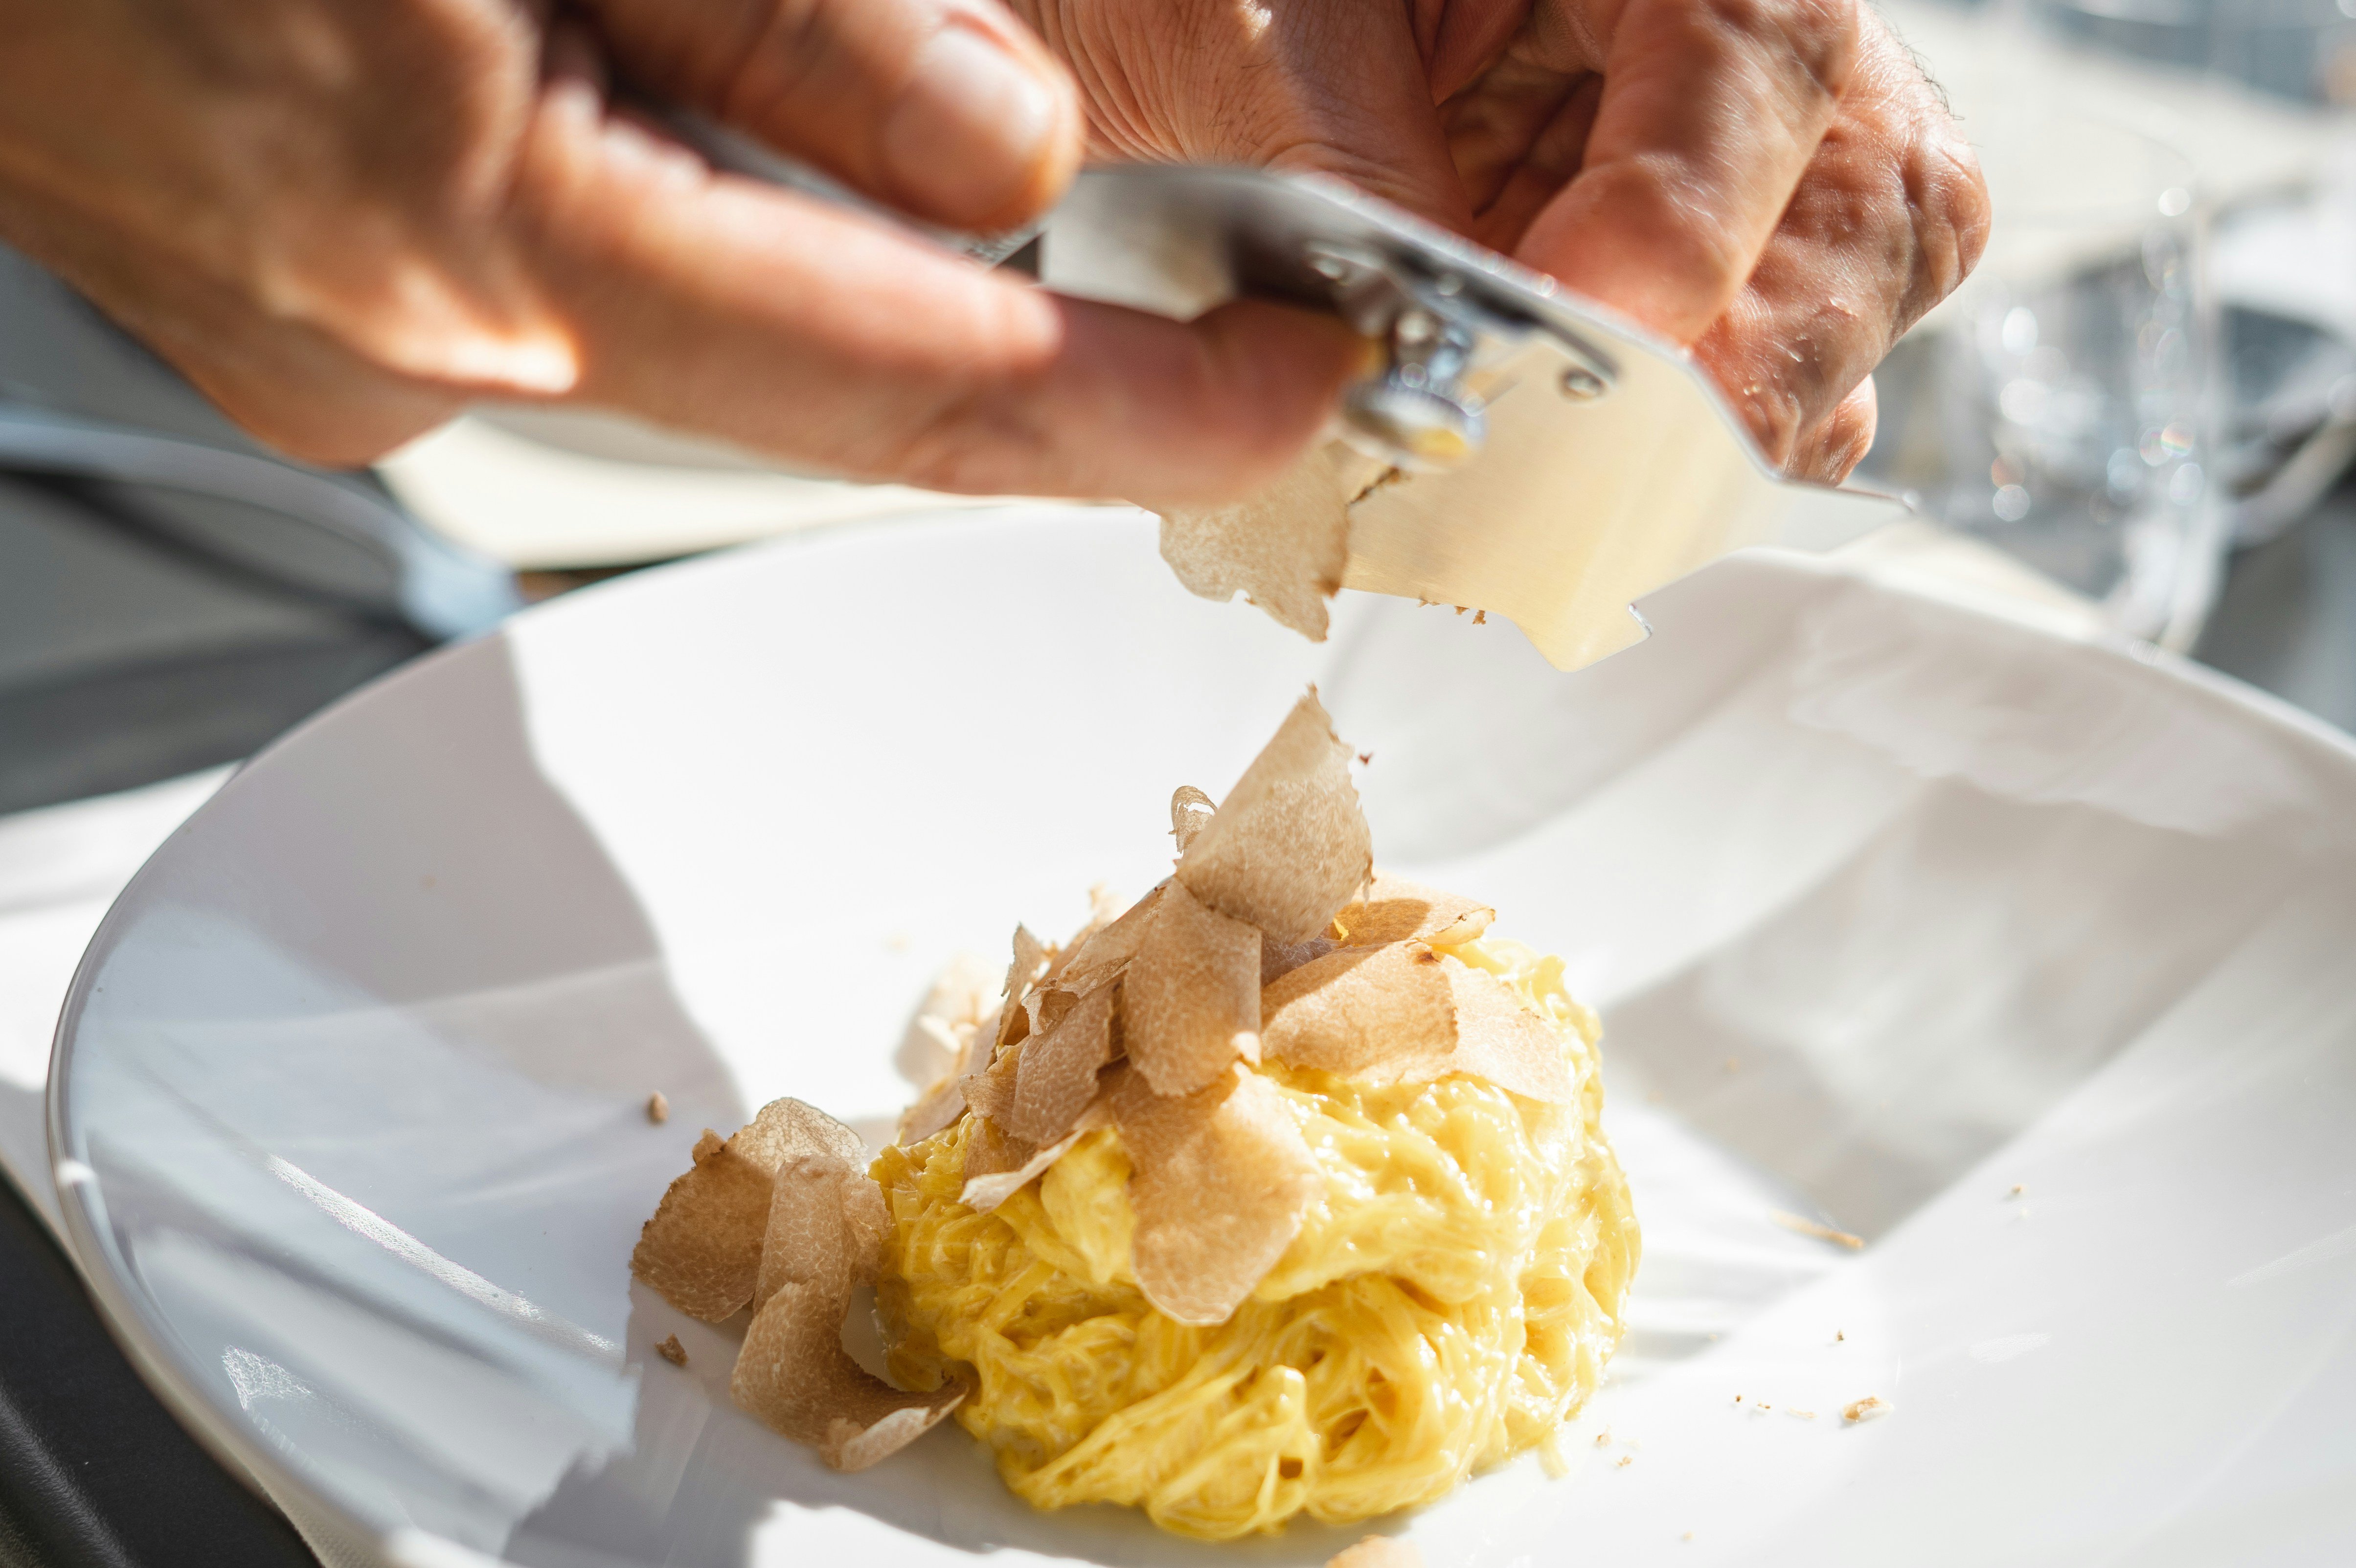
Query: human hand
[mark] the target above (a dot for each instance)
(1772, 182)
(343, 218)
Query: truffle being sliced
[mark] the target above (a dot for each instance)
(1284, 549)
(1218, 1180)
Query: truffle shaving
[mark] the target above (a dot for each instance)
(992, 1150)
(1190, 808)
(819, 1201)
(793, 1372)
(1499, 1039)
(984, 1191)
(1190, 1000)
(1056, 1076)
(702, 1251)
(1393, 909)
(1219, 1180)
(1105, 953)
(1288, 847)
(1278, 959)
(943, 1103)
(1402, 1014)
(1374, 1015)
(991, 1092)
(1283, 548)
(1030, 963)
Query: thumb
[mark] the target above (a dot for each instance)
(948, 110)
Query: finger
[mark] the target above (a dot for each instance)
(1831, 451)
(797, 329)
(1335, 88)
(947, 109)
(1518, 147)
(1888, 220)
(1710, 111)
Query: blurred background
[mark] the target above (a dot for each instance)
(2142, 407)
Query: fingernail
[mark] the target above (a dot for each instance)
(971, 127)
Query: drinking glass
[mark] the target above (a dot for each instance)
(2057, 405)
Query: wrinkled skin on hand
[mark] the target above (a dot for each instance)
(1772, 182)
(343, 218)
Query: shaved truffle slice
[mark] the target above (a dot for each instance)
(1377, 1015)
(1190, 1000)
(1402, 1014)
(938, 1110)
(820, 1200)
(1278, 959)
(786, 1128)
(990, 1092)
(991, 1150)
(1030, 963)
(1499, 1039)
(986, 1190)
(1105, 953)
(1287, 847)
(1190, 809)
(1056, 1076)
(1393, 909)
(1218, 1181)
(702, 1251)
(1047, 1004)
(1283, 548)
(793, 1372)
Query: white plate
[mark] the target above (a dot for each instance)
(1890, 906)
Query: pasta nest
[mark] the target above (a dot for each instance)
(1448, 1302)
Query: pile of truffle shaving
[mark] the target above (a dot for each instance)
(1273, 939)
(783, 1217)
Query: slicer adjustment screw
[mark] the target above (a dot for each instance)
(1582, 384)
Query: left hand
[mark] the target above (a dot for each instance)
(1773, 183)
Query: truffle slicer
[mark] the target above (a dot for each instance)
(1547, 461)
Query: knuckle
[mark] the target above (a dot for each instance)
(1835, 450)
(1947, 199)
(1820, 37)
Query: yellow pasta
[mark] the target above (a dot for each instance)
(1448, 1302)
